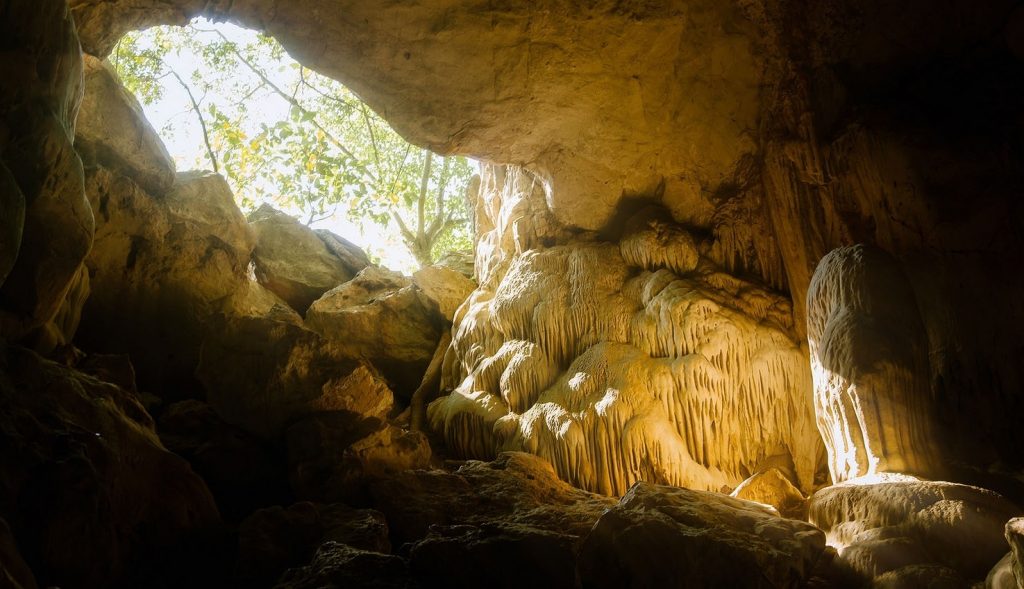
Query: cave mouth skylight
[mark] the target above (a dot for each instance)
(231, 99)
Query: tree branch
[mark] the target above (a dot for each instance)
(424, 183)
(289, 99)
(202, 122)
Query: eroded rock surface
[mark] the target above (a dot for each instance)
(275, 539)
(893, 529)
(869, 362)
(384, 318)
(263, 374)
(111, 122)
(334, 456)
(667, 537)
(47, 222)
(162, 270)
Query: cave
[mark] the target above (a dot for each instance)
(743, 310)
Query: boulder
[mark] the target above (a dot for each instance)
(383, 317)
(113, 129)
(339, 565)
(771, 487)
(445, 286)
(902, 522)
(926, 576)
(162, 269)
(334, 456)
(243, 471)
(278, 538)
(350, 254)
(515, 488)
(499, 554)
(293, 262)
(659, 536)
(262, 374)
(93, 497)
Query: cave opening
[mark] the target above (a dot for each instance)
(722, 310)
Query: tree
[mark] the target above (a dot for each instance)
(281, 133)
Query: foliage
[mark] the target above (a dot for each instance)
(281, 133)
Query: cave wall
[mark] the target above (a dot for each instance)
(769, 133)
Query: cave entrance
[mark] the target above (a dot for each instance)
(232, 100)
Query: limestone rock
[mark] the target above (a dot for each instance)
(262, 374)
(243, 472)
(1015, 536)
(460, 261)
(48, 224)
(252, 299)
(869, 360)
(445, 286)
(913, 576)
(292, 261)
(382, 317)
(516, 488)
(668, 537)
(333, 456)
(492, 555)
(616, 374)
(162, 269)
(350, 254)
(339, 565)
(511, 217)
(278, 538)
(94, 498)
(113, 368)
(113, 129)
(651, 241)
(770, 487)
(880, 527)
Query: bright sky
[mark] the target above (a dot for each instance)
(179, 128)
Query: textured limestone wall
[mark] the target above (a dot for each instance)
(47, 223)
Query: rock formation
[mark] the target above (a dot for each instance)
(869, 361)
(667, 293)
(296, 263)
(661, 537)
(616, 374)
(384, 318)
(895, 526)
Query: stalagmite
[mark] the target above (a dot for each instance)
(869, 362)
